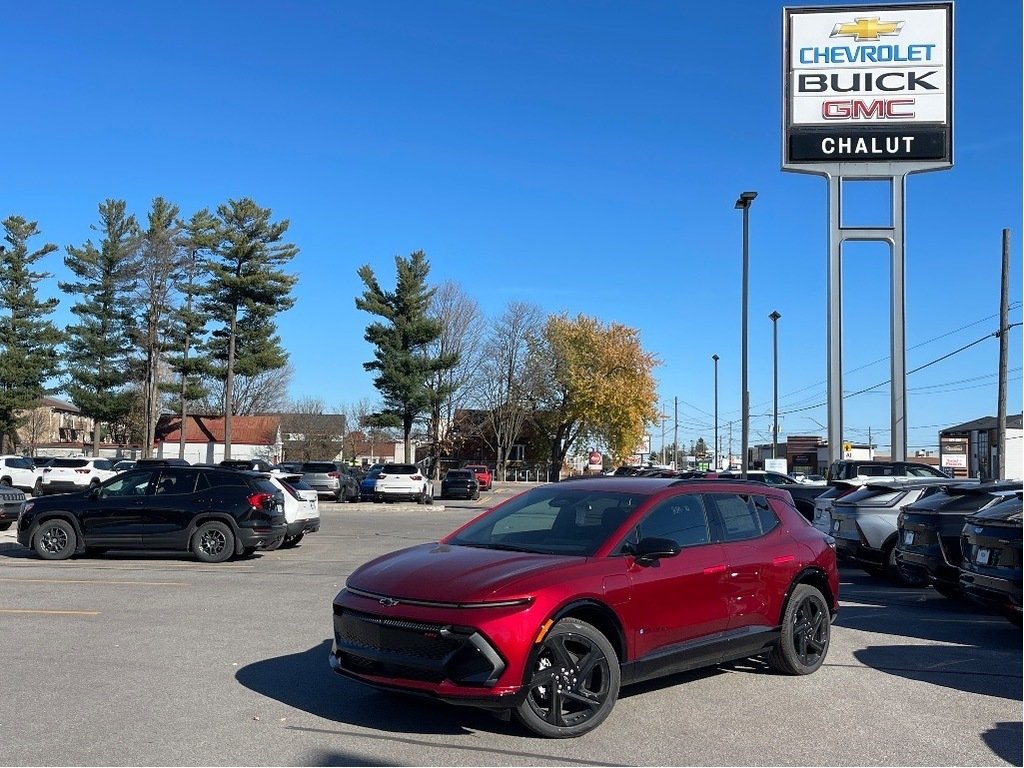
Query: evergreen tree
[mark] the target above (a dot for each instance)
(247, 288)
(99, 346)
(28, 337)
(401, 358)
(186, 352)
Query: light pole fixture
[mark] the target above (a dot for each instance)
(774, 317)
(715, 358)
(743, 203)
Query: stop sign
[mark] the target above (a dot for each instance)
(595, 457)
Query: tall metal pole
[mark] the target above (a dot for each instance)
(675, 437)
(774, 317)
(715, 358)
(1000, 470)
(743, 203)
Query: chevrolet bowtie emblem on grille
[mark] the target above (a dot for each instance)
(388, 602)
(867, 29)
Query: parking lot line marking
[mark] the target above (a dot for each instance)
(102, 581)
(50, 613)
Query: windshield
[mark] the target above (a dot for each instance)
(553, 520)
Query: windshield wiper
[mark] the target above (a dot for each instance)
(495, 545)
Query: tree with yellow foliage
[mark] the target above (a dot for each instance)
(599, 386)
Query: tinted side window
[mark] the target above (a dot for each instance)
(219, 479)
(178, 483)
(737, 516)
(102, 464)
(681, 519)
(765, 514)
(131, 483)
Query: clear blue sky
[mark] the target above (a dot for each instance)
(583, 156)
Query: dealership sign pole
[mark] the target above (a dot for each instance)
(868, 95)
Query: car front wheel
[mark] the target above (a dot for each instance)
(55, 540)
(213, 542)
(573, 684)
(806, 629)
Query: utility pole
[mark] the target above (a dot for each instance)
(999, 470)
(675, 437)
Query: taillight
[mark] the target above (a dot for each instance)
(333, 474)
(261, 500)
(82, 471)
(417, 477)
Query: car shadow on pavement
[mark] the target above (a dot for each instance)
(1006, 740)
(305, 681)
(959, 667)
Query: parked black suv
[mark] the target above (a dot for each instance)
(214, 513)
(990, 573)
(930, 530)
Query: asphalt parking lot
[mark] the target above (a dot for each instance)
(147, 659)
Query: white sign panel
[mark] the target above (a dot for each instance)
(868, 84)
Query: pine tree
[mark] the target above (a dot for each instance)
(99, 347)
(401, 359)
(28, 337)
(247, 288)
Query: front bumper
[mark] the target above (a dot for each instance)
(455, 664)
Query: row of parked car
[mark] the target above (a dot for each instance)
(214, 511)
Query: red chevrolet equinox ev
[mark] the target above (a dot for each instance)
(546, 604)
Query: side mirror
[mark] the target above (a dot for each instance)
(653, 548)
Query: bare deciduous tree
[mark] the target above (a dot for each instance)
(461, 336)
(507, 384)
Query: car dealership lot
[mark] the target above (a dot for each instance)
(142, 660)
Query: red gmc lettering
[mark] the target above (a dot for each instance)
(855, 109)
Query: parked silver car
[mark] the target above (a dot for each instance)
(864, 523)
(331, 481)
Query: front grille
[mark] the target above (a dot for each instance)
(408, 650)
(394, 636)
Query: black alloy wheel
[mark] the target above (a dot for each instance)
(806, 630)
(213, 542)
(291, 541)
(55, 540)
(573, 684)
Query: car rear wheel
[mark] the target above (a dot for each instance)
(806, 629)
(55, 540)
(291, 541)
(213, 542)
(573, 683)
(5, 526)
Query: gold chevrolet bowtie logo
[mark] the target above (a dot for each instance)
(867, 29)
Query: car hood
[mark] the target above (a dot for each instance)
(449, 573)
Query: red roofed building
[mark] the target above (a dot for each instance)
(251, 437)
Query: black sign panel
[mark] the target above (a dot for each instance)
(892, 143)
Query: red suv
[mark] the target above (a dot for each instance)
(546, 604)
(483, 475)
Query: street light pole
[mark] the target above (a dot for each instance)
(743, 203)
(774, 317)
(715, 358)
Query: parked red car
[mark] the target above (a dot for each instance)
(483, 475)
(546, 604)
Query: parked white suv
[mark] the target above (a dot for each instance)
(19, 472)
(301, 506)
(403, 481)
(76, 473)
